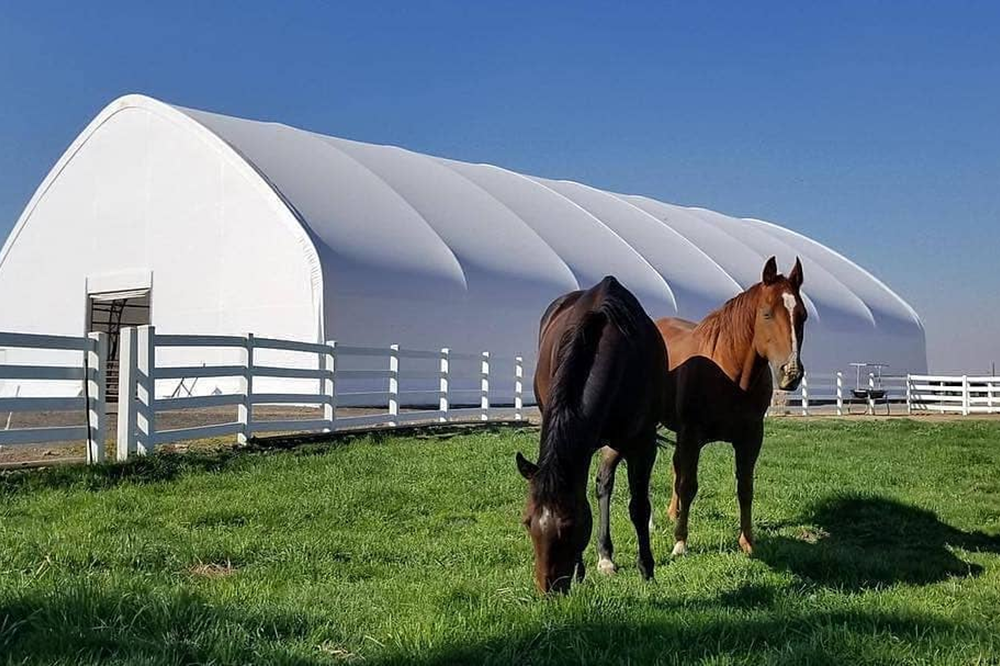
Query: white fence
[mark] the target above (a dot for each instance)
(819, 391)
(833, 393)
(86, 369)
(961, 395)
(322, 382)
(328, 383)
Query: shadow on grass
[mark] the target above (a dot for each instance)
(859, 542)
(84, 625)
(164, 466)
(167, 465)
(810, 638)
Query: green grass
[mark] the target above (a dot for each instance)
(877, 543)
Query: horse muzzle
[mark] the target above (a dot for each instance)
(790, 376)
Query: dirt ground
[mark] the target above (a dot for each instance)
(55, 453)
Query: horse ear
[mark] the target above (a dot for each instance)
(527, 468)
(795, 277)
(770, 271)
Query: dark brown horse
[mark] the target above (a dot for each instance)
(719, 388)
(600, 379)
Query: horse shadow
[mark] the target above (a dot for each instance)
(856, 542)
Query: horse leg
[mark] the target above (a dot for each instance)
(604, 486)
(640, 468)
(685, 484)
(652, 521)
(747, 450)
(672, 509)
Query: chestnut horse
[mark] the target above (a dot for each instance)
(600, 379)
(718, 389)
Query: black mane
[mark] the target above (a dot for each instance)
(568, 435)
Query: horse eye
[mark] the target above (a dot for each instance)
(767, 314)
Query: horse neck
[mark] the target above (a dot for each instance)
(727, 337)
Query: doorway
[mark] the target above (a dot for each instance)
(109, 312)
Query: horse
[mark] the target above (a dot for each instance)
(718, 388)
(600, 378)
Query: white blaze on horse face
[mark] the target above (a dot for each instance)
(545, 520)
(789, 299)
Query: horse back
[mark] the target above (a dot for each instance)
(678, 336)
(626, 373)
(698, 392)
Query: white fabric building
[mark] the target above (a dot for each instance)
(202, 223)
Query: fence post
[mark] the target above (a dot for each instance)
(244, 415)
(518, 387)
(990, 387)
(909, 394)
(443, 385)
(330, 386)
(871, 387)
(840, 393)
(965, 395)
(146, 407)
(805, 394)
(393, 384)
(97, 359)
(484, 388)
(127, 386)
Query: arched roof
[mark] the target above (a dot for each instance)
(420, 233)
(469, 225)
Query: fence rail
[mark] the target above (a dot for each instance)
(405, 385)
(954, 394)
(89, 371)
(329, 387)
(957, 394)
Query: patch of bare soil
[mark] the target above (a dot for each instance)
(212, 570)
(813, 535)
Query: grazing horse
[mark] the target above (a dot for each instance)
(718, 389)
(600, 378)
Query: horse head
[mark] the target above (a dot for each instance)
(779, 323)
(559, 531)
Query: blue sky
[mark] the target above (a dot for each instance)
(873, 127)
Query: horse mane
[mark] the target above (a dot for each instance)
(564, 427)
(733, 322)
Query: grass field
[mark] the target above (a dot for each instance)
(877, 543)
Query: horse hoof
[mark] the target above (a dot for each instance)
(606, 567)
(746, 545)
(680, 548)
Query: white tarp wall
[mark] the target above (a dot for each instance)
(242, 226)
